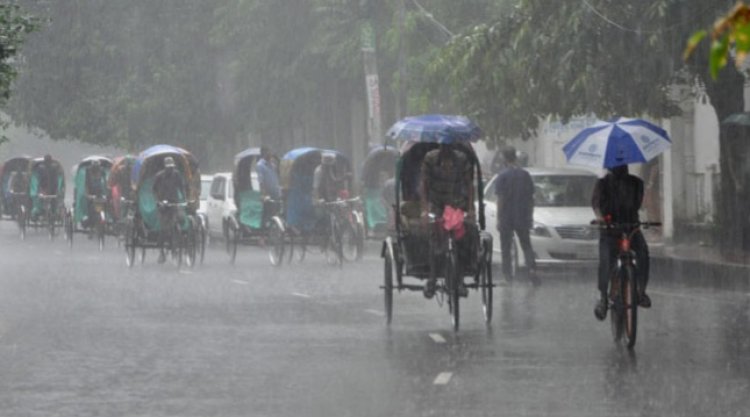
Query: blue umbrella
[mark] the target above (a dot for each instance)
(617, 142)
(435, 128)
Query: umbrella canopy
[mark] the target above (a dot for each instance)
(435, 128)
(618, 142)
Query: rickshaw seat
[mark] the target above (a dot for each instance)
(251, 209)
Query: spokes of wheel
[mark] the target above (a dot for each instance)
(630, 293)
(176, 246)
(452, 280)
(618, 302)
(350, 243)
(485, 283)
(234, 240)
(388, 286)
(275, 242)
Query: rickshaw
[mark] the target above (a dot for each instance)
(430, 249)
(378, 169)
(257, 221)
(14, 204)
(76, 219)
(47, 210)
(332, 225)
(143, 225)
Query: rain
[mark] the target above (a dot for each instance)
(374, 208)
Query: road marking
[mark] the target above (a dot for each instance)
(299, 294)
(443, 378)
(185, 271)
(239, 281)
(375, 312)
(437, 338)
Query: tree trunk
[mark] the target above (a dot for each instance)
(727, 97)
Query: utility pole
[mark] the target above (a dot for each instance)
(372, 84)
(402, 86)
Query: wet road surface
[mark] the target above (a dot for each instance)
(82, 335)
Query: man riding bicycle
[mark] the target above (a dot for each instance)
(48, 186)
(96, 187)
(169, 187)
(446, 180)
(616, 200)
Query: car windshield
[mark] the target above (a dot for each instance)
(205, 189)
(563, 190)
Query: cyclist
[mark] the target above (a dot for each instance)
(95, 187)
(18, 184)
(328, 185)
(47, 174)
(268, 180)
(616, 199)
(446, 178)
(169, 186)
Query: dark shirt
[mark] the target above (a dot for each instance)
(618, 197)
(515, 195)
(169, 186)
(95, 183)
(448, 177)
(47, 179)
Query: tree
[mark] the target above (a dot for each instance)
(593, 57)
(15, 25)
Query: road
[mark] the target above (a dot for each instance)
(82, 335)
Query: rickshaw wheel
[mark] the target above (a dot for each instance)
(350, 245)
(190, 242)
(276, 241)
(233, 240)
(69, 228)
(130, 245)
(388, 286)
(485, 282)
(203, 238)
(176, 245)
(451, 280)
(22, 222)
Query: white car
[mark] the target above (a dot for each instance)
(561, 234)
(220, 204)
(206, 181)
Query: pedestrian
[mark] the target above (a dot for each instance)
(515, 213)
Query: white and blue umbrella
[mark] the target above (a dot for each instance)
(618, 142)
(435, 128)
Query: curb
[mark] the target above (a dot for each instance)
(696, 272)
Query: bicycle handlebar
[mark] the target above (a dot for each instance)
(605, 225)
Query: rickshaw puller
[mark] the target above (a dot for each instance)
(169, 186)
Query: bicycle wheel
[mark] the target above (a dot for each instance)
(616, 305)
(51, 224)
(485, 283)
(350, 247)
(297, 248)
(630, 296)
(275, 230)
(203, 240)
(451, 281)
(388, 286)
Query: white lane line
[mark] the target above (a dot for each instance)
(443, 378)
(239, 281)
(437, 338)
(375, 312)
(301, 295)
(186, 272)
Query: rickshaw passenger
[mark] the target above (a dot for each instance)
(18, 182)
(47, 175)
(327, 184)
(169, 186)
(96, 187)
(447, 180)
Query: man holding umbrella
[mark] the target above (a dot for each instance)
(616, 199)
(618, 196)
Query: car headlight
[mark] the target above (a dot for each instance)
(540, 230)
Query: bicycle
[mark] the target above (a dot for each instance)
(20, 201)
(623, 285)
(49, 205)
(100, 222)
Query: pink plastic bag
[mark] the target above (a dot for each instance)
(453, 219)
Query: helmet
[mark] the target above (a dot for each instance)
(328, 158)
(169, 162)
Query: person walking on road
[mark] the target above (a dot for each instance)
(515, 213)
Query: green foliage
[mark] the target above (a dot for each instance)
(731, 30)
(15, 25)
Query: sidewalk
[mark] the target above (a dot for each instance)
(700, 265)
